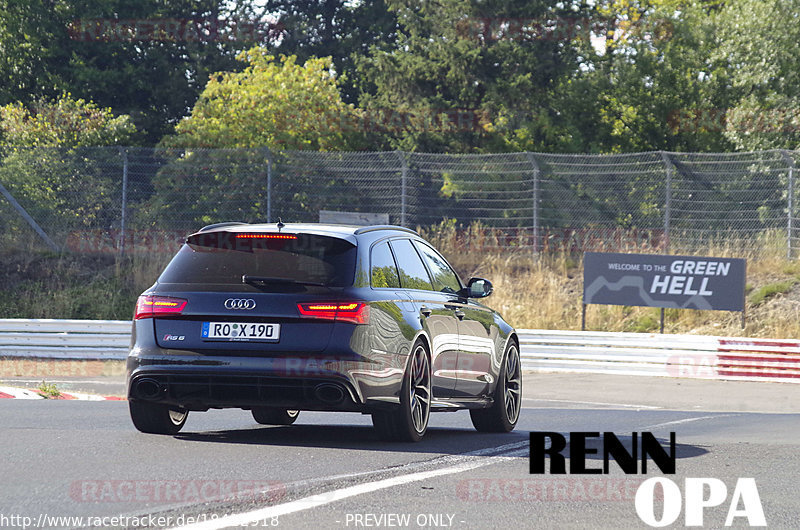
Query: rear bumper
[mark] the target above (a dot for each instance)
(198, 381)
(199, 390)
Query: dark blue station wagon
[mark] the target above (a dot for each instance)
(278, 318)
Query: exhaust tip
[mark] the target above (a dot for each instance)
(148, 388)
(329, 393)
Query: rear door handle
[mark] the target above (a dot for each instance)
(425, 311)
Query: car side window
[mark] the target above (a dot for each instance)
(383, 269)
(444, 278)
(413, 274)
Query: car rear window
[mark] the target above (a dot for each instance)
(223, 257)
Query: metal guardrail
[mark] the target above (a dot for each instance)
(693, 356)
(643, 354)
(65, 339)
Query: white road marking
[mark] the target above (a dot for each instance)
(625, 405)
(20, 393)
(80, 396)
(686, 420)
(473, 461)
(81, 381)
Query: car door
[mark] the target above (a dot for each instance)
(475, 324)
(436, 318)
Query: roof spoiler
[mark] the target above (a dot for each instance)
(384, 227)
(220, 225)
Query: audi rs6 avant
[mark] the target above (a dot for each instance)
(280, 318)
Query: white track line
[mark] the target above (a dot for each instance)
(624, 405)
(314, 501)
(686, 420)
(80, 396)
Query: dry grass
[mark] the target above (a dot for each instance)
(545, 291)
(38, 284)
(542, 291)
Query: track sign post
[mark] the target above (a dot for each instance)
(683, 282)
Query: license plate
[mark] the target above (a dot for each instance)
(241, 331)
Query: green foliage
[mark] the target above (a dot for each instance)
(340, 29)
(199, 187)
(760, 41)
(65, 122)
(652, 77)
(277, 104)
(52, 46)
(48, 390)
(441, 61)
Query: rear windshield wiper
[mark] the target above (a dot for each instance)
(255, 281)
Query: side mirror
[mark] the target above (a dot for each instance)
(478, 288)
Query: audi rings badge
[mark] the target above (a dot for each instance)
(240, 303)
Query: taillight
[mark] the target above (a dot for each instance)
(149, 306)
(355, 312)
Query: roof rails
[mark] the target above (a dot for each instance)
(384, 227)
(220, 225)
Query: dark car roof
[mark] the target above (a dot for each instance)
(344, 231)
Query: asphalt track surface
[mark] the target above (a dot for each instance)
(84, 459)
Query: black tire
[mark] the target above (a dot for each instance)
(503, 415)
(156, 418)
(410, 421)
(271, 416)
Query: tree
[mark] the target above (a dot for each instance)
(277, 104)
(121, 54)
(759, 40)
(650, 86)
(65, 122)
(457, 56)
(341, 29)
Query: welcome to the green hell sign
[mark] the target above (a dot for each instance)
(664, 281)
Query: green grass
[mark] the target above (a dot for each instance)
(765, 292)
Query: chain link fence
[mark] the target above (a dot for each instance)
(127, 200)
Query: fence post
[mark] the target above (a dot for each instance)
(535, 164)
(269, 184)
(123, 153)
(667, 196)
(403, 185)
(789, 202)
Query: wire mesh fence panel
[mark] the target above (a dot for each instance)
(129, 200)
(792, 201)
(68, 193)
(602, 202)
(736, 197)
(303, 183)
